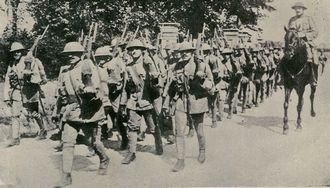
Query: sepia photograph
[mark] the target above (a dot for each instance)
(166, 93)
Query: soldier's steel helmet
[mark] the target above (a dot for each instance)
(151, 47)
(267, 51)
(299, 5)
(255, 49)
(16, 46)
(135, 44)
(227, 51)
(186, 46)
(73, 47)
(103, 51)
(206, 47)
(240, 46)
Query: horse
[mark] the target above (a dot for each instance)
(297, 72)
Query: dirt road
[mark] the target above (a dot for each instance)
(248, 150)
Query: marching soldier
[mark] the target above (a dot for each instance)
(22, 90)
(61, 101)
(140, 77)
(190, 82)
(116, 72)
(241, 57)
(215, 65)
(32, 75)
(12, 92)
(307, 31)
(232, 76)
(84, 110)
(278, 55)
(102, 55)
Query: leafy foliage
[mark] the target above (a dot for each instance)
(68, 18)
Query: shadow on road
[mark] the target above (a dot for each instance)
(271, 123)
(80, 163)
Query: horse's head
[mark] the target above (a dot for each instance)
(292, 42)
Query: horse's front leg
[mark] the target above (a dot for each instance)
(300, 93)
(313, 90)
(287, 93)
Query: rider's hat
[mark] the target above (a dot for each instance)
(299, 5)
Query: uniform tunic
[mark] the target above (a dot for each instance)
(77, 110)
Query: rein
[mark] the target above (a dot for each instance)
(296, 43)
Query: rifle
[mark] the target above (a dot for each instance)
(41, 93)
(122, 39)
(135, 33)
(89, 40)
(35, 44)
(157, 44)
(203, 32)
(187, 36)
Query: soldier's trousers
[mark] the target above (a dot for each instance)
(69, 136)
(180, 127)
(15, 112)
(117, 121)
(33, 112)
(134, 124)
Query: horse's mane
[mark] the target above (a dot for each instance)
(295, 52)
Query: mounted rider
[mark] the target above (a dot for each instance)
(305, 27)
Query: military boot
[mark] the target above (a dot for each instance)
(214, 124)
(65, 181)
(179, 165)
(129, 158)
(14, 142)
(124, 143)
(59, 147)
(104, 159)
(158, 141)
(201, 157)
(191, 132)
(104, 166)
(42, 134)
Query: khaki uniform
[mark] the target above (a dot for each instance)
(186, 100)
(305, 26)
(116, 72)
(83, 111)
(217, 71)
(12, 94)
(139, 101)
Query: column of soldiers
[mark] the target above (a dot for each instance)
(126, 82)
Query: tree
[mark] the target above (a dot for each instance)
(68, 18)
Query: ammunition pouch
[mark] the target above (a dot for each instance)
(90, 104)
(197, 89)
(13, 80)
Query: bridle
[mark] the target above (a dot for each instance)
(291, 49)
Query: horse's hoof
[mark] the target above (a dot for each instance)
(313, 114)
(243, 111)
(256, 105)
(229, 116)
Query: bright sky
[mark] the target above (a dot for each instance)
(274, 23)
